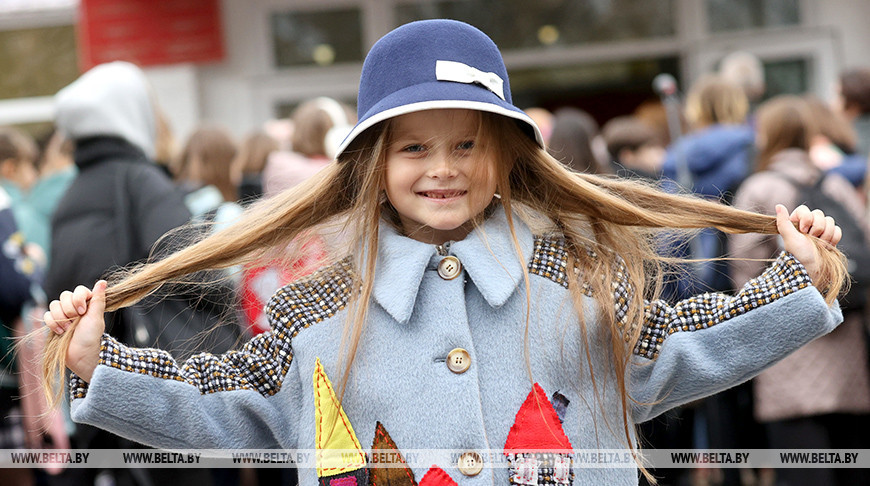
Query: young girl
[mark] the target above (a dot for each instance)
(492, 299)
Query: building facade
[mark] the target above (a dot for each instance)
(599, 55)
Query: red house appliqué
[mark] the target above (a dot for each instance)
(537, 448)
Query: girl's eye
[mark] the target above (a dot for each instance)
(414, 148)
(466, 145)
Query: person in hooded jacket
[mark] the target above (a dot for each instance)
(109, 114)
(119, 205)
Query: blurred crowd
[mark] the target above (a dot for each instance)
(99, 191)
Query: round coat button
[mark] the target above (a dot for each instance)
(470, 464)
(458, 360)
(449, 268)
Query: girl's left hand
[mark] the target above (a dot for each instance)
(813, 223)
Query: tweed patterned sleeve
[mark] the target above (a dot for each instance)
(711, 342)
(260, 366)
(262, 363)
(145, 395)
(785, 276)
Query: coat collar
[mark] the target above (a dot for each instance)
(93, 150)
(487, 255)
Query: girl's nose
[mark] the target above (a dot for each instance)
(441, 167)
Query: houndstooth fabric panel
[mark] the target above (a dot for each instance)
(787, 275)
(78, 387)
(550, 259)
(622, 292)
(262, 363)
(322, 294)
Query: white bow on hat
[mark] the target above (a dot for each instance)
(463, 73)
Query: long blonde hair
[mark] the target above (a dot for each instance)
(614, 218)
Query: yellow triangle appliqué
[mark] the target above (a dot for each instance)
(338, 450)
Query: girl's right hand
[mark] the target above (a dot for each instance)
(83, 353)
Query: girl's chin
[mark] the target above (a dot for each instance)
(450, 225)
(440, 233)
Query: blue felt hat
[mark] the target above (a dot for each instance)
(434, 64)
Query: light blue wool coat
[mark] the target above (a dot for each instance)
(262, 396)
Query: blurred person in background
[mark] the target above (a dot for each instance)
(249, 164)
(746, 71)
(18, 155)
(570, 141)
(165, 143)
(204, 170)
(711, 161)
(319, 125)
(204, 173)
(818, 397)
(35, 176)
(853, 101)
(544, 119)
(654, 114)
(19, 275)
(57, 169)
(596, 142)
(637, 152)
(833, 146)
(18, 175)
(112, 214)
(635, 149)
(35, 183)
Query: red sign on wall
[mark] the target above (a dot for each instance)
(149, 32)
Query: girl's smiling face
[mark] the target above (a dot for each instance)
(439, 174)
